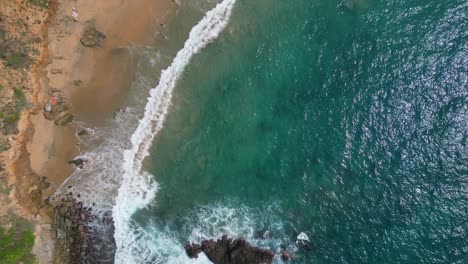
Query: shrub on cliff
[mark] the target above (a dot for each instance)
(15, 247)
(40, 3)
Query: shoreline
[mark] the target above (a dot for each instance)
(74, 74)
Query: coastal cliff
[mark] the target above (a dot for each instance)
(55, 59)
(23, 52)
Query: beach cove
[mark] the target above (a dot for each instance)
(235, 131)
(78, 81)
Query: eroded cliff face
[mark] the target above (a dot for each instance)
(22, 48)
(21, 40)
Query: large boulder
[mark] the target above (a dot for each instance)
(91, 37)
(230, 251)
(63, 120)
(193, 250)
(77, 162)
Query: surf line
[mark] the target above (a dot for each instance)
(137, 188)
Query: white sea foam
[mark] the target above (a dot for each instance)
(137, 188)
(227, 218)
(157, 244)
(234, 220)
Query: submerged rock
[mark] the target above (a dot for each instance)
(285, 256)
(82, 132)
(303, 241)
(230, 251)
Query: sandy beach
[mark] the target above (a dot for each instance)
(104, 73)
(89, 84)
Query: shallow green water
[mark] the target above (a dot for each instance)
(343, 119)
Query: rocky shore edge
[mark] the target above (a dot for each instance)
(228, 250)
(83, 234)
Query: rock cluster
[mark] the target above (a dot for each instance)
(91, 37)
(56, 109)
(77, 239)
(71, 230)
(230, 251)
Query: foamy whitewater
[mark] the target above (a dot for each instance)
(138, 189)
(312, 117)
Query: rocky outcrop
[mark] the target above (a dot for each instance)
(77, 239)
(71, 229)
(56, 109)
(77, 162)
(303, 242)
(63, 120)
(91, 37)
(230, 251)
(82, 132)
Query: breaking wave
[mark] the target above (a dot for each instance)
(155, 242)
(137, 188)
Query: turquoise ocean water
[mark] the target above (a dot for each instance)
(346, 120)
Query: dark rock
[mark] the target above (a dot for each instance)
(44, 185)
(77, 162)
(303, 242)
(78, 242)
(58, 108)
(91, 37)
(285, 256)
(65, 119)
(192, 250)
(230, 251)
(82, 132)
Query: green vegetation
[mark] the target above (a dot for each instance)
(15, 60)
(15, 246)
(12, 118)
(4, 146)
(19, 94)
(40, 3)
(20, 23)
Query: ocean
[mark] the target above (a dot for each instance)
(346, 120)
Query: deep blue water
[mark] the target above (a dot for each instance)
(343, 119)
